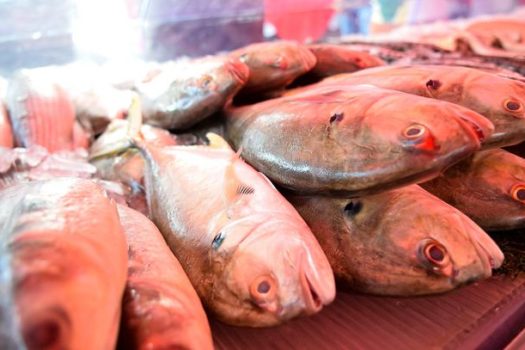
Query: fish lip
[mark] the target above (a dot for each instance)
(313, 300)
(239, 71)
(475, 127)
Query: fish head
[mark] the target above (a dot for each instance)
(500, 99)
(409, 242)
(421, 135)
(275, 64)
(493, 189)
(276, 272)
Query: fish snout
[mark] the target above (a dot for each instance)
(239, 70)
(318, 286)
(480, 126)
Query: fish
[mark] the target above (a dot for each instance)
(19, 165)
(353, 140)
(161, 309)
(500, 100)
(115, 161)
(6, 132)
(251, 258)
(274, 65)
(496, 36)
(41, 112)
(183, 93)
(488, 187)
(401, 242)
(63, 266)
(335, 59)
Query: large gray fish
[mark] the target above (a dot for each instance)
(161, 309)
(274, 65)
(183, 93)
(399, 242)
(500, 100)
(353, 140)
(489, 187)
(63, 266)
(248, 253)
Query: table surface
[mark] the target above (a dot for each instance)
(484, 315)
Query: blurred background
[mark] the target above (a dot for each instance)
(35, 33)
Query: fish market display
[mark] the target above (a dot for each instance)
(354, 140)
(183, 93)
(161, 310)
(336, 59)
(6, 133)
(41, 113)
(249, 255)
(63, 266)
(489, 187)
(274, 65)
(400, 242)
(500, 100)
(36, 163)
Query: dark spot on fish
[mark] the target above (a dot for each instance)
(217, 240)
(353, 208)
(245, 190)
(336, 117)
(433, 84)
(49, 332)
(497, 44)
(263, 287)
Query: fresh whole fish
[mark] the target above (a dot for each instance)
(6, 133)
(41, 112)
(336, 59)
(250, 256)
(500, 100)
(274, 65)
(183, 93)
(354, 140)
(399, 242)
(63, 266)
(36, 163)
(489, 187)
(161, 310)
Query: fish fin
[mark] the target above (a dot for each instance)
(216, 141)
(235, 188)
(135, 120)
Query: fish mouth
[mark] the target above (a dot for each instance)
(239, 71)
(313, 301)
(479, 131)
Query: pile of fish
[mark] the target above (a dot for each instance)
(245, 184)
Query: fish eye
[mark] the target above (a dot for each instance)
(353, 208)
(49, 332)
(434, 253)
(263, 288)
(414, 131)
(512, 105)
(518, 193)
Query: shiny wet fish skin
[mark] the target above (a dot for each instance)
(160, 307)
(63, 263)
(489, 187)
(252, 263)
(499, 99)
(401, 242)
(353, 140)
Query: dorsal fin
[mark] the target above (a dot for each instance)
(216, 141)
